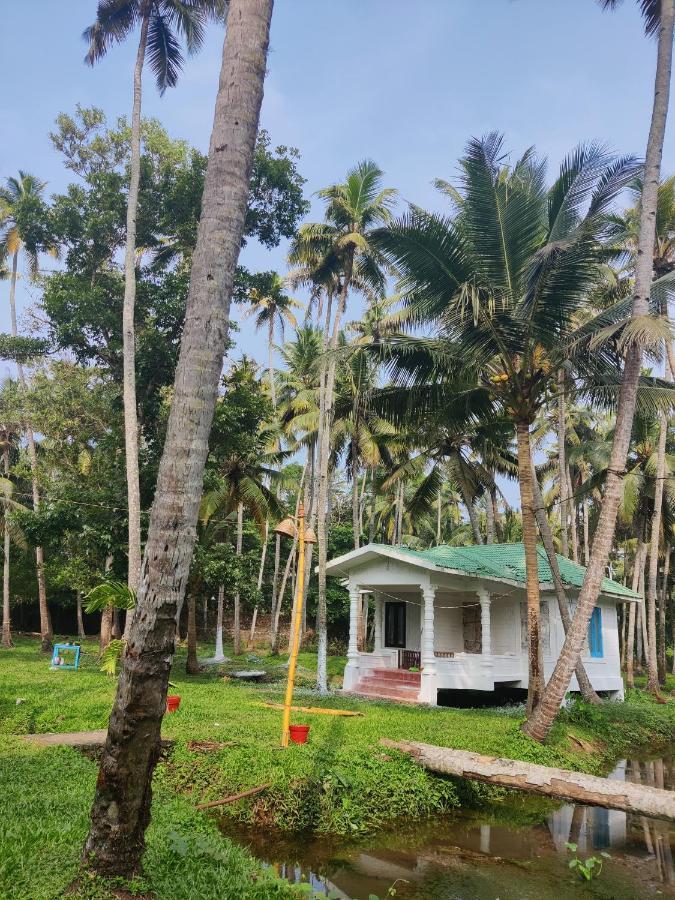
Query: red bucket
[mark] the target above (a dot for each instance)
(172, 703)
(298, 733)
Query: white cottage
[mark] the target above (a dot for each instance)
(454, 618)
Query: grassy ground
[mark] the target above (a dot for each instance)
(340, 782)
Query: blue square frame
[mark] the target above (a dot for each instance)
(67, 648)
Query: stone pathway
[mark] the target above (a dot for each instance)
(82, 740)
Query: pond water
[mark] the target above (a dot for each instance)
(517, 854)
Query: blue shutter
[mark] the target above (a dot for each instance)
(595, 633)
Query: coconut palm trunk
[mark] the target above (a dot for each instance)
(270, 362)
(191, 663)
(322, 493)
(46, 633)
(638, 566)
(467, 500)
(652, 580)
(6, 641)
(585, 687)
(356, 509)
(562, 467)
(121, 807)
(236, 628)
(80, 619)
(261, 572)
(219, 655)
(539, 722)
(128, 330)
(662, 617)
(535, 661)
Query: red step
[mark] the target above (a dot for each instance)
(397, 675)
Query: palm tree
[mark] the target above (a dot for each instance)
(162, 24)
(133, 744)
(273, 309)
(11, 533)
(659, 18)
(19, 195)
(501, 284)
(340, 254)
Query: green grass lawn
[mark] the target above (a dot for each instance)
(340, 782)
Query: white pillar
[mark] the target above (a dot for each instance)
(486, 636)
(351, 673)
(379, 610)
(428, 689)
(486, 633)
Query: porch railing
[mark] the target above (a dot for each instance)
(409, 659)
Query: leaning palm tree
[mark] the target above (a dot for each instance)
(121, 807)
(339, 254)
(501, 284)
(272, 309)
(659, 18)
(162, 24)
(19, 196)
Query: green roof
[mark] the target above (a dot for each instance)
(507, 561)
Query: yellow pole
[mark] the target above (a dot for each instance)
(295, 645)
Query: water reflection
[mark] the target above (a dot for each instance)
(470, 856)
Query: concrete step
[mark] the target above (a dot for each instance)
(395, 695)
(385, 684)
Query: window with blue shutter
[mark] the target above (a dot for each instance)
(595, 634)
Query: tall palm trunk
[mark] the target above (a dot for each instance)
(573, 517)
(662, 617)
(219, 654)
(128, 330)
(324, 458)
(270, 361)
(652, 581)
(540, 721)
(105, 633)
(192, 663)
(439, 515)
(587, 546)
(80, 619)
(467, 500)
(562, 466)
(535, 660)
(46, 633)
(356, 508)
(121, 807)
(638, 566)
(261, 572)
(585, 687)
(6, 641)
(489, 519)
(237, 596)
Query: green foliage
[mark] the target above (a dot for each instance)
(589, 868)
(111, 656)
(108, 594)
(21, 349)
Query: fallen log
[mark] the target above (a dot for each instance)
(233, 797)
(560, 784)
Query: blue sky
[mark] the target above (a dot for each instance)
(404, 83)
